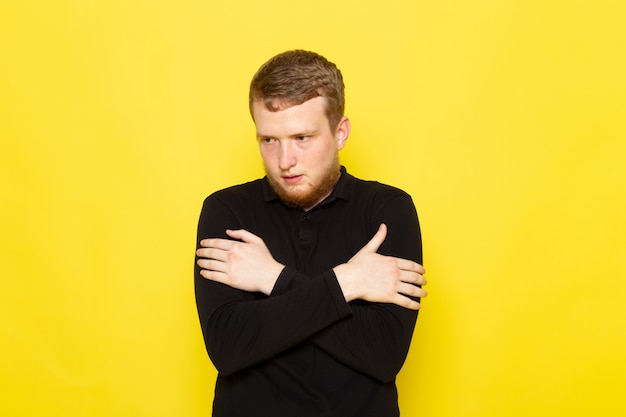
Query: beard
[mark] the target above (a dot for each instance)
(308, 199)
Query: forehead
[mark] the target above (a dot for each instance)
(308, 116)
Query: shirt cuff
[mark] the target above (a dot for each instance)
(343, 308)
(289, 278)
(284, 281)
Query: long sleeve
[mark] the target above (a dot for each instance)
(303, 350)
(240, 328)
(376, 337)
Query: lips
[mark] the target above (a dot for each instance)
(291, 180)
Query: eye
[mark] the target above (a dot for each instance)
(267, 140)
(301, 138)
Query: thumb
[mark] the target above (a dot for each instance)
(242, 235)
(377, 240)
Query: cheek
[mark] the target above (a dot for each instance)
(266, 155)
(324, 157)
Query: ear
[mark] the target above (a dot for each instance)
(342, 132)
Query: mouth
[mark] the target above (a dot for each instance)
(292, 179)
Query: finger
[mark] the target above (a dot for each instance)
(406, 302)
(224, 244)
(420, 292)
(212, 265)
(218, 254)
(243, 235)
(422, 280)
(214, 276)
(412, 278)
(408, 265)
(411, 290)
(376, 240)
(203, 253)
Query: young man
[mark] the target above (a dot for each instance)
(307, 280)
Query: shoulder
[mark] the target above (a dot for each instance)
(245, 193)
(370, 190)
(375, 200)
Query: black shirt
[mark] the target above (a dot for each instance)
(303, 351)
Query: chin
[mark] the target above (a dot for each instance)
(297, 199)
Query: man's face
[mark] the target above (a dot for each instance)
(299, 150)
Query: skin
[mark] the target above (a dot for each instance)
(300, 153)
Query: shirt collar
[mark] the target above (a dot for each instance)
(341, 191)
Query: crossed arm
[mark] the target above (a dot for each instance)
(246, 264)
(361, 312)
(241, 329)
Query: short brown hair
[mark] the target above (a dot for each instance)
(293, 77)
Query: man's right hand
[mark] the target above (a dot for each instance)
(244, 263)
(377, 278)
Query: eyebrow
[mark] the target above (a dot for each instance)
(305, 132)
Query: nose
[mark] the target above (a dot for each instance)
(286, 156)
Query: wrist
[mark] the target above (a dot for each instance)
(272, 276)
(348, 288)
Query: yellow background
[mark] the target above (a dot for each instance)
(503, 119)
